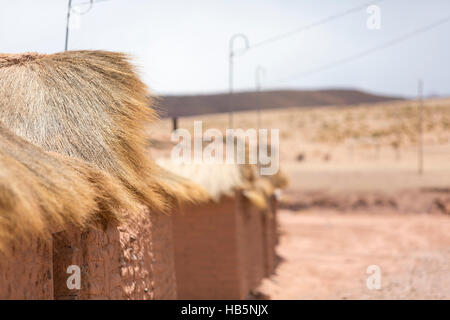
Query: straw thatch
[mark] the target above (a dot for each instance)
(178, 189)
(86, 104)
(222, 179)
(218, 179)
(279, 180)
(43, 191)
(272, 184)
(257, 198)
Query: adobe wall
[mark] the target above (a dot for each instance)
(253, 253)
(95, 251)
(132, 261)
(213, 251)
(270, 236)
(163, 257)
(67, 251)
(207, 259)
(242, 247)
(268, 242)
(136, 258)
(28, 272)
(274, 207)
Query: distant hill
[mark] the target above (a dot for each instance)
(190, 105)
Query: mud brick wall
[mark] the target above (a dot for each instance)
(274, 208)
(95, 250)
(270, 236)
(132, 261)
(163, 257)
(137, 258)
(207, 259)
(268, 222)
(100, 251)
(28, 272)
(252, 235)
(67, 251)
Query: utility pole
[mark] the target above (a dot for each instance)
(259, 72)
(420, 123)
(231, 56)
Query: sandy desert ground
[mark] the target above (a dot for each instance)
(325, 255)
(356, 199)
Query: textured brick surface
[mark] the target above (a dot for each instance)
(163, 261)
(270, 237)
(132, 261)
(222, 250)
(207, 258)
(274, 205)
(253, 250)
(136, 258)
(28, 272)
(67, 251)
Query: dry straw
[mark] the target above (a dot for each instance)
(218, 179)
(90, 105)
(222, 179)
(41, 192)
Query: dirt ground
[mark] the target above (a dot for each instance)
(325, 255)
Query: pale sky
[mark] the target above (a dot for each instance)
(182, 46)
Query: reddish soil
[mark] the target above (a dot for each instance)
(325, 254)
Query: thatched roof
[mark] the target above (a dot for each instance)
(43, 191)
(269, 184)
(222, 179)
(178, 189)
(218, 179)
(85, 104)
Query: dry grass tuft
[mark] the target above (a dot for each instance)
(217, 179)
(179, 190)
(257, 198)
(85, 104)
(43, 191)
(221, 180)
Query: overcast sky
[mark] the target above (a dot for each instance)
(181, 46)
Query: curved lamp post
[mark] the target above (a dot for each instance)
(69, 10)
(232, 54)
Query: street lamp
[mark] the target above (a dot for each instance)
(232, 54)
(69, 10)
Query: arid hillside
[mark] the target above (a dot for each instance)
(190, 105)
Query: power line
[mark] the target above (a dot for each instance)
(362, 54)
(313, 25)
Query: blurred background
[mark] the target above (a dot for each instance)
(182, 47)
(359, 90)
